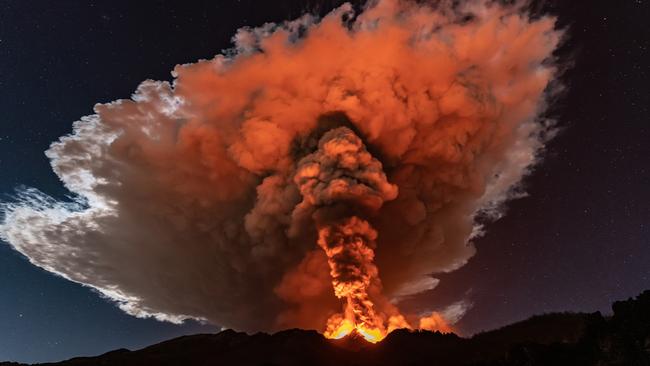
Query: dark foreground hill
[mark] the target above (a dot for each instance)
(553, 339)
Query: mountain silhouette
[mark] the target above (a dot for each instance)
(552, 339)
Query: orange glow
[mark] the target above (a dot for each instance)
(372, 335)
(350, 244)
(435, 322)
(346, 327)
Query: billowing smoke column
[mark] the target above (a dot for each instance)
(271, 185)
(337, 182)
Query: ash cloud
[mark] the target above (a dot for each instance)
(185, 199)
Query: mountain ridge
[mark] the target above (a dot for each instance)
(549, 339)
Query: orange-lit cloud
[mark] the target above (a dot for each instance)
(190, 202)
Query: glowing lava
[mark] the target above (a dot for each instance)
(346, 327)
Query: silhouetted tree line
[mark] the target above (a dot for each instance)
(621, 339)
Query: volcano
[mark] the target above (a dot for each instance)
(550, 339)
(312, 176)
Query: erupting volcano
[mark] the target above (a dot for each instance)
(351, 240)
(340, 181)
(316, 175)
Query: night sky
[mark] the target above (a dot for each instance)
(577, 242)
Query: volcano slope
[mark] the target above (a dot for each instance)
(551, 339)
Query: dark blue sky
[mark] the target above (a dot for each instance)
(578, 242)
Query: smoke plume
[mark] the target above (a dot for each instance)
(316, 173)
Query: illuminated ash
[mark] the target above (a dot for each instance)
(339, 182)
